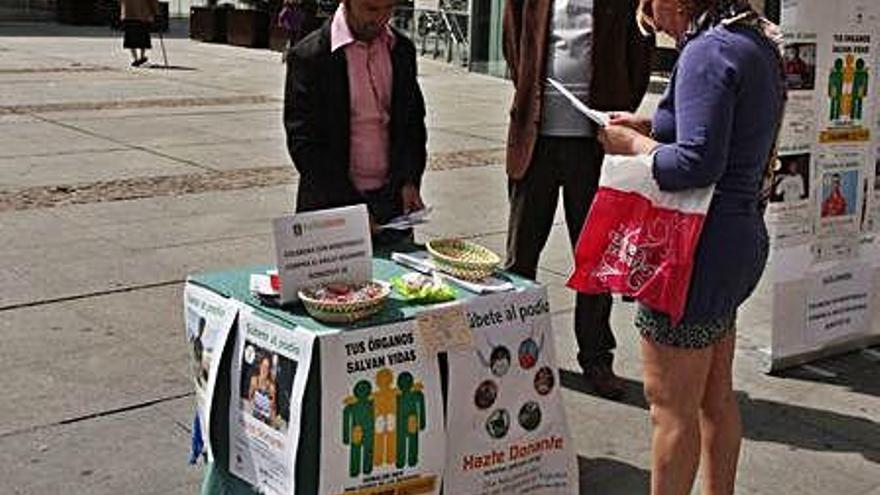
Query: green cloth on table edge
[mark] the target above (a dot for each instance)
(236, 284)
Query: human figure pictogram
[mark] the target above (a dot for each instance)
(385, 410)
(410, 419)
(357, 429)
(859, 89)
(835, 89)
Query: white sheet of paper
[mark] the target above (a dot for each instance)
(408, 220)
(600, 118)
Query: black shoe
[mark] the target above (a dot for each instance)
(603, 381)
(139, 62)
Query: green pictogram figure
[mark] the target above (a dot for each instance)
(410, 419)
(357, 429)
(859, 89)
(835, 89)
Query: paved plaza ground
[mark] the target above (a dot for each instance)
(115, 183)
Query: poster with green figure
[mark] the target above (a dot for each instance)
(382, 411)
(848, 93)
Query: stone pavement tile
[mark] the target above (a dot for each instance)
(610, 476)
(34, 228)
(147, 131)
(244, 126)
(13, 119)
(221, 255)
(232, 154)
(177, 231)
(48, 91)
(85, 215)
(770, 468)
(467, 201)
(451, 109)
(180, 112)
(46, 170)
(847, 403)
(99, 273)
(246, 204)
(84, 382)
(149, 318)
(445, 140)
(265, 202)
(57, 256)
(142, 451)
(612, 460)
(44, 138)
(40, 77)
(37, 335)
(496, 132)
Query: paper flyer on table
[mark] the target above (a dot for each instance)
(208, 317)
(270, 369)
(382, 429)
(506, 425)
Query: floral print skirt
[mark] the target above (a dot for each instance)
(658, 327)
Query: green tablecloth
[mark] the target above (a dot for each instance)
(235, 284)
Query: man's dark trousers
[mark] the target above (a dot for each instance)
(572, 163)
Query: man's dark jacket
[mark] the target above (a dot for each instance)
(621, 65)
(317, 121)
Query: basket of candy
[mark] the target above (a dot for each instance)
(345, 303)
(463, 259)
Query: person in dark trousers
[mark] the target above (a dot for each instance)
(595, 49)
(137, 17)
(355, 116)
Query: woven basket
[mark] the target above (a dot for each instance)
(463, 259)
(337, 312)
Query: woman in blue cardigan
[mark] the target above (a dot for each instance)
(715, 125)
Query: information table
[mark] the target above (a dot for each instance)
(385, 408)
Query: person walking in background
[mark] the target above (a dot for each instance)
(137, 17)
(594, 48)
(716, 125)
(291, 19)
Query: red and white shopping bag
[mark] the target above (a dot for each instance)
(638, 240)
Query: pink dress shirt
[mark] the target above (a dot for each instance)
(369, 83)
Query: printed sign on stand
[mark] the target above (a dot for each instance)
(321, 247)
(270, 369)
(506, 425)
(208, 318)
(382, 430)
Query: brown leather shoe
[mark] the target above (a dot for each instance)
(603, 381)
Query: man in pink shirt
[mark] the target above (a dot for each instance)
(355, 115)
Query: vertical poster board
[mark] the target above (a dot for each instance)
(208, 317)
(824, 209)
(507, 432)
(382, 413)
(270, 369)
